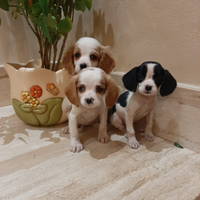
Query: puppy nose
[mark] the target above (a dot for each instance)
(148, 88)
(89, 100)
(83, 65)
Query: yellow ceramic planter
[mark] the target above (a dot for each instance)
(36, 93)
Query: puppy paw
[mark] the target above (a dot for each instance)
(133, 143)
(66, 130)
(149, 137)
(103, 138)
(76, 146)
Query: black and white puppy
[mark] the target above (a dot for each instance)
(140, 99)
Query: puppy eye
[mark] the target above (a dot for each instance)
(81, 88)
(99, 89)
(140, 77)
(77, 55)
(93, 57)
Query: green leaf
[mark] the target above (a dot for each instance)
(88, 4)
(47, 113)
(45, 6)
(28, 6)
(53, 113)
(40, 109)
(35, 20)
(79, 5)
(53, 38)
(26, 107)
(50, 21)
(55, 107)
(4, 5)
(36, 9)
(45, 30)
(178, 145)
(27, 117)
(65, 25)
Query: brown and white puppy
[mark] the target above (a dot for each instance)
(87, 52)
(91, 92)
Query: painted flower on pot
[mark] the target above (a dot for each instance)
(36, 91)
(26, 96)
(52, 89)
(34, 112)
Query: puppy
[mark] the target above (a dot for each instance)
(91, 92)
(140, 99)
(87, 52)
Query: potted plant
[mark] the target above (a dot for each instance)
(37, 88)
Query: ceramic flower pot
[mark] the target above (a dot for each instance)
(36, 93)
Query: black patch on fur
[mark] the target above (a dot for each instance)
(164, 79)
(142, 72)
(158, 75)
(114, 109)
(168, 85)
(122, 100)
(130, 79)
(135, 76)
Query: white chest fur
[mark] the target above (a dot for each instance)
(86, 116)
(138, 106)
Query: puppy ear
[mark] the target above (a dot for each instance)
(71, 92)
(107, 62)
(68, 60)
(112, 92)
(168, 85)
(130, 79)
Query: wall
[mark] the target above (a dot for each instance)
(163, 31)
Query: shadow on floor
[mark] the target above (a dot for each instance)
(12, 128)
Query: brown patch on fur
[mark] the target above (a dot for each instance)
(107, 62)
(112, 91)
(95, 53)
(81, 85)
(102, 84)
(71, 91)
(68, 60)
(77, 50)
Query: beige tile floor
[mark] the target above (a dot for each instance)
(35, 163)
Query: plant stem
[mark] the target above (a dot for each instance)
(28, 22)
(61, 52)
(13, 6)
(45, 60)
(55, 54)
(50, 55)
(36, 32)
(71, 15)
(39, 41)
